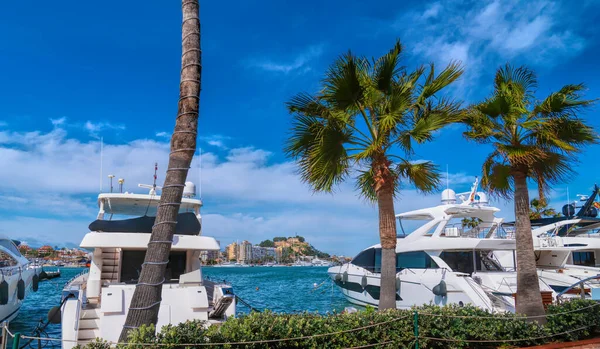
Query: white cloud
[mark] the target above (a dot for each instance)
(58, 122)
(298, 64)
(217, 141)
(432, 11)
(50, 178)
(163, 135)
(94, 128)
(490, 33)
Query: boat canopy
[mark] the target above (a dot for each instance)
(140, 204)
(187, 224)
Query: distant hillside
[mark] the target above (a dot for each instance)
(294, 246)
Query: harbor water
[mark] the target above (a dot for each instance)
(280, 289)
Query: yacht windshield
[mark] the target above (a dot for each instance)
(470, 261)
(9, 245)
(370, 259)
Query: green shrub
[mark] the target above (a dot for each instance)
(451, 326)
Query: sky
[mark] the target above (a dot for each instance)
(72, 73)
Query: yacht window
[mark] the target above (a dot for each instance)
(9, 245)
(131, 266)
(7, 260)
(460, 261)
(414, 260)
(584, 258)
(369, 259)
(485, 263)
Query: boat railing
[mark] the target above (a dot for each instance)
(480, 231)
(85, 271)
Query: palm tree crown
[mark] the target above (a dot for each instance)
(365, 112)
(536, 138)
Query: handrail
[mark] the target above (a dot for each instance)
(580, 283)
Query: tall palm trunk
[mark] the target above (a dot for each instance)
(529, 299)
(147, 296)
(387, 235)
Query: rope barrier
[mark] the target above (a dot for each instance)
(503, 340)
(509, 318)
(313, 336)
(370, 345)
(234, 343)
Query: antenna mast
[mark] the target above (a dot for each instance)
(154, 184)
(101, 155)
(200, 173)
(447, 178)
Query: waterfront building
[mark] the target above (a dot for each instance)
(245, 252)
(231, 251)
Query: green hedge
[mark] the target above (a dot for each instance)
(453, 326)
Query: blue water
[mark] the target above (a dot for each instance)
(289, 290)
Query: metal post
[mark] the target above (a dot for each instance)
(4, 334)
(416, 327)
(582, 291)
(16, 340)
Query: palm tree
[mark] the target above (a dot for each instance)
(363, 124)
(540, 209)
(147, 296)
(531, 139)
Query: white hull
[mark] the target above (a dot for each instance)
(10, 310)
(416, 287)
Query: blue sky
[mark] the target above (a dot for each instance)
(73, 72)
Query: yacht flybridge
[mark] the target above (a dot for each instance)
(95, 304)
(447, 259)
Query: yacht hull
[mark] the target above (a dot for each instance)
(10, 310)
(415, 288)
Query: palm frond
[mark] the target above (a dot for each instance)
(422, 175)
(342, 87)
(567, 101)
(520, 82)
(434, 117)
(365, 184)
(496, 176)
(435, 84)
(319, 147)
(387, 69)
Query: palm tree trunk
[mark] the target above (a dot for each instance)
(529, 299)
(145, 303)
(387, 235)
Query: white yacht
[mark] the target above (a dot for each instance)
(95, 304)
(445, 260)
(316, 262)
(567, 245)
(17, 277)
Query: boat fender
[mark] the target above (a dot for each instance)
(398, 285)
(35, 282)
(364, 282)
(440, 289)
(54, 315)
(338, 277)
(3, 292)
(345, 277)
(21, 289)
